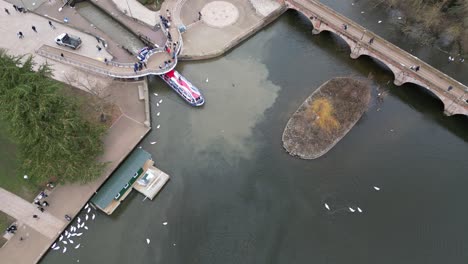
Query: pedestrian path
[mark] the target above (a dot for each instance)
(23, 211)
(154, 66)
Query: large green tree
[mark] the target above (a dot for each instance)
(54, 140)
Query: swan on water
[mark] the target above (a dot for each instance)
(87, 217)
(165, 223)
(94, 216)
(65, 242)
(79, 234)
(56, 248)
(71, 241)
(155, 94)
(158, 126)
(79, 220)
(359, 210)
(77, 246)
(351, 209)
(326, 206)
(55, 244)
(60, 238)
(89, 210)
(157, 104)
(86, 206)
(86, 227)
(148, 241)
(152, 143)
(160, 101)
(376, 188)
(158, 113)
(64, 249)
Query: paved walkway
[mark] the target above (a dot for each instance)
(223, 24)
(49, 9)
(154, 65)
(120, 139)
(399, 61)
(23, 211)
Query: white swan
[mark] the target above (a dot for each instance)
(326, 206)
(351, 209)
(359, 210)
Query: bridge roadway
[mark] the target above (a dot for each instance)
(323, 18)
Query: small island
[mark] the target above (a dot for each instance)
(326, 116)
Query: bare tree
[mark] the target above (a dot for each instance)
(98, 87)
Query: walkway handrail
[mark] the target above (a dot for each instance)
(91, 68)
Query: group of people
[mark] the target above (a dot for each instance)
(12, 229)
(138, 66)
(166, 64)
(17, 9)
(41, 203)
(166, 21)
(21, 35)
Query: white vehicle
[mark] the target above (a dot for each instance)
(68, 40)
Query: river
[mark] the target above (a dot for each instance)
(235, 196)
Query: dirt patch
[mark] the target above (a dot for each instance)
(326, 116)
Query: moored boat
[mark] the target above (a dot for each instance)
(183, 88)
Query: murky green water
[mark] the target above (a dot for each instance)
(235, 196)
(107, 24)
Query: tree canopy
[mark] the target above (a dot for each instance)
(54, 140)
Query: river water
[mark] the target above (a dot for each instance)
(235, 196)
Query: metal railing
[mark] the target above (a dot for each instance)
(108, 72)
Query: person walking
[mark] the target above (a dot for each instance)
(20, 35)
(6, 10)
(371, 40)
(61, 55)
(98, 47)
(199, 15)
(135, 67)
(35, 216)
(51, 25)
(34, 29)
(15, 7)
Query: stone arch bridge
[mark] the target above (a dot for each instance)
(453, 94)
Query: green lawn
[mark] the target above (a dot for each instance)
(10, 178)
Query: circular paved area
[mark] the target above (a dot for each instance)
(219, 14)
